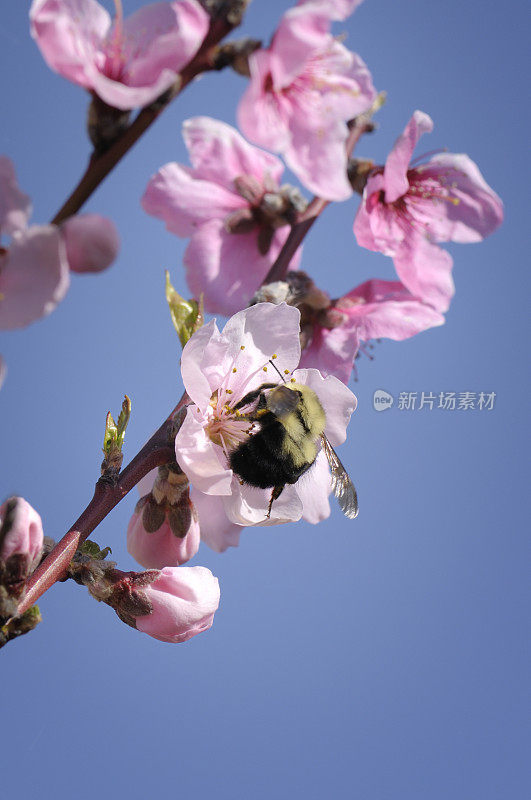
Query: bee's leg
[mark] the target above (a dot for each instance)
(277, 491)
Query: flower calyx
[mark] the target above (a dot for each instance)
(270, 207)
(236, 55)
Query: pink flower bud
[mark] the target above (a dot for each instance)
(184, 600)
(166, 546)
(92, 242)
(20, 530)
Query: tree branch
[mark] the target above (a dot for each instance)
(160, 449)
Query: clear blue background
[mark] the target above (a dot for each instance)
(381, 659)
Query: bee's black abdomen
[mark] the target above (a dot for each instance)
(260, 460)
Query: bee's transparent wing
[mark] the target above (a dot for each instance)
(341, 484)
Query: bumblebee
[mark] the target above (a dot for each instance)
(291, 432)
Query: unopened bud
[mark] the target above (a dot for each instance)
(92, 242)
(183, 603)
(161, 535)
(21, 541)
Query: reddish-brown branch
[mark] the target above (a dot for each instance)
(158, 450)
(313, 211)
(100, 165)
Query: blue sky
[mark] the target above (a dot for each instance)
(381, 659)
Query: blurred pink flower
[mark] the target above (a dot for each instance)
(303, 90)
(34, 268)
(184, 601)
(374, 310)
(92, 242)
(230, 204)
(218, 370)
(34, 274)
(128, 63)
(407, 207)
(20, 530)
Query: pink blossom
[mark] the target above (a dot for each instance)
(304, 88)
(219, 369)
(127, 63)
(407, 207)
(21, 533)
(231, 206)
(374, 310)
(183, 600)
(92, 242)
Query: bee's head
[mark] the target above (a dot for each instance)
(282, 400)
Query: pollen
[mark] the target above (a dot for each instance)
(234, 369)
(286, 372)
(242, 347)
(274, 355)
(265, 369)
(293, 380)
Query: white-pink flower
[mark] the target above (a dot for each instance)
(409, 206)
(219, 369)
(35, 265)
(183, 601)
(304, 88)
(231, 205)
(374, 310)
(127, 62)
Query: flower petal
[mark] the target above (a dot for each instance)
(332, 352)
(247, 505)
(184, 201)
(15, 206)
(478, 210)
(199, 458)
(34, 276)
(395, 172)
(69, 34)
(258, 333)
(227, 268)
(389, 311)
(264, 115)
(162, 36)
(216, 529)
(426, 270)
(219, 154)
(314, 488)
(204, 363)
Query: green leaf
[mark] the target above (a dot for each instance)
(91, 549)
(186, 315)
